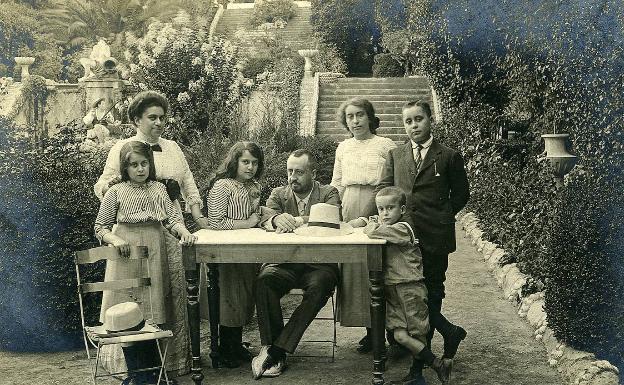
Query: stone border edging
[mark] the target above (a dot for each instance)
(576, 367)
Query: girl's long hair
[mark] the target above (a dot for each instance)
(138, 148)
(229, 166)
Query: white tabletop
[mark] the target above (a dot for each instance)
(258, 236)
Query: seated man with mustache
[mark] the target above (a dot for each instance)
(291, 208)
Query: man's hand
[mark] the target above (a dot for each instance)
(285, 223)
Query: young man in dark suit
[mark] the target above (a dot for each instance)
(435, 181)
(290, 208)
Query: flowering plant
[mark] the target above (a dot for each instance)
(200, 78)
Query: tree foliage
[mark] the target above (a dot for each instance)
(21, 35)
(350, 26)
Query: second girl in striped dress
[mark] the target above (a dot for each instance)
(234, 203)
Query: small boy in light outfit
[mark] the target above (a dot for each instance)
(406, 294)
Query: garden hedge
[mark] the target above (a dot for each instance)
(535, 68)
(47, 212)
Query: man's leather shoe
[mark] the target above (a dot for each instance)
(443, 368)
(452, 341)
(276, 369)
(258, 363)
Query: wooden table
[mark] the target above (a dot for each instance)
(259, 246)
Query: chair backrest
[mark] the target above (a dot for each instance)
(96, 254)
(109, 253)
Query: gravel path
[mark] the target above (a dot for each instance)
(499, 349)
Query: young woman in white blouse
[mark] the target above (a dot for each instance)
(357, 170)
(148, 111)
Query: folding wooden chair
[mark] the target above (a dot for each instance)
(320, 317)
(95, 337)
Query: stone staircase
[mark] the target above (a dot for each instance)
(297, 34)
(386, 94)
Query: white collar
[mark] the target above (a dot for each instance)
(427, 144)
(143, 138)
(306, 199)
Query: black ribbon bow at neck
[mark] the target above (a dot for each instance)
(155, 147)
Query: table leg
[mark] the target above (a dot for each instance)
(378, 314)
(213, 310)
(192, 307)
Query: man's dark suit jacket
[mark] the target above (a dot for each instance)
(282, 200)
(434, 194)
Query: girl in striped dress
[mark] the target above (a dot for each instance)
(234, 203)
(143, 213)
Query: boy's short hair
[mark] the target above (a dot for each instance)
(393, 191)
(418, 103)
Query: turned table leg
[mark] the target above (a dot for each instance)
(378, 313)
(213, 310)
(192, 307)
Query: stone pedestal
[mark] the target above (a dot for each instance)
(24, 62)
(308, 54)
(108, 89)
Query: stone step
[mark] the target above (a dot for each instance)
(339, 130)
(378, 110)
(387, 93)
(397, 139)
(328, 117)
(379, 105)
(390, 125)
(376, 97)
(384, 79)
(376, 84)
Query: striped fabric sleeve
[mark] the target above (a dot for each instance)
(107, 214)
(218, 200)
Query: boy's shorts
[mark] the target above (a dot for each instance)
(407, 309)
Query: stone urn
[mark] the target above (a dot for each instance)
(24, 62)
(558, 156)
(308, 54)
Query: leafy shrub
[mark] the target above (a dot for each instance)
(585, 280)
(270, 11)
(255, 66)
(200, 79)
(22, 35)
(386, 66)
(329, 59)
(47, 213)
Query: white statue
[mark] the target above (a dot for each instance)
(96, 120)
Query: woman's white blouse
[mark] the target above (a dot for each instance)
(170, 164)
(360, 161)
